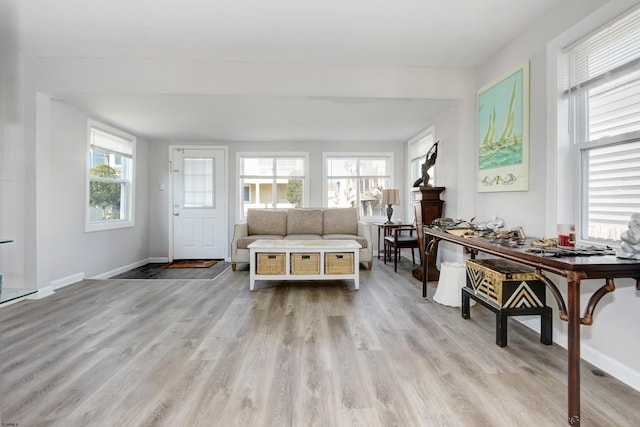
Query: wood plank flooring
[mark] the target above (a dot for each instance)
(211, 353)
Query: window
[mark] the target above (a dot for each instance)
(198, 184)
(358, 181)
(274, 181)
(246, 196)
(110, 174)
(418, 150)
(602, 83)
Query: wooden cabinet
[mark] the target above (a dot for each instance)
(427, 206)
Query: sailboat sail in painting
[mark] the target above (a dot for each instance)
(506, 149)
(502, 134)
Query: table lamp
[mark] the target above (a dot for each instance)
(390, 198)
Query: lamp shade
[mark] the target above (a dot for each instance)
(390, 197)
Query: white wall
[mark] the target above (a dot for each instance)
(73, 251)
(12, 264)
(528, 209)
(611, 342)
(159, 200)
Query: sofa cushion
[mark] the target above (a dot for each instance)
(266, 222)
(244, 242)
(363, 242)
(340, 221)
(304, 221)
(302, 237)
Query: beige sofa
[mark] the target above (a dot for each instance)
(300, 224)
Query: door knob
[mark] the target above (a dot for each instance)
(176, 214)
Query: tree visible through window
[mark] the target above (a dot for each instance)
(358, 182)
(272, 181)
(110, 192)
(105, 195)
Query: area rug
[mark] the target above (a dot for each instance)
(191, 263)
(157, 271)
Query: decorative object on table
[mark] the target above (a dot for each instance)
(503, 132)
(630, 247)
(511, 238)
(519, 233)
(429, 161)
(495, 224)
(544, 243)
(445, 223)
(390, 198)
(560, 251)
(566, 235)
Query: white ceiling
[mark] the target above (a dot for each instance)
(398, 33)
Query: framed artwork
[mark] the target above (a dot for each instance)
(503, 132)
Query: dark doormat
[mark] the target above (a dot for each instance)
(157, 271)
(191, 263)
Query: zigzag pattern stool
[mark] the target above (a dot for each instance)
(507, 289)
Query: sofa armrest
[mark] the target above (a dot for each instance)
(364, 231)
(239, 230)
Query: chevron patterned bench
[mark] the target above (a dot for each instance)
(508, 289)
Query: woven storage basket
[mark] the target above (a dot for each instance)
(338, 263)
(305, 263)
(270, 263)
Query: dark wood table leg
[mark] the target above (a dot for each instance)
(573, 348)
(379, 240)
(425, 268)
(466, 305)
(546, 326)
(429, 247)
(501, 329)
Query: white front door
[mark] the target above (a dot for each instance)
(199, 204)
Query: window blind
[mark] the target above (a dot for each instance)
(614, 107)
(612, 50)
(111, 143)
(614, 188)
(602, 83)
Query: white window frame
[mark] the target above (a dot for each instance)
(388, 156)
(275, 156)
(128, 203)
(574, 104)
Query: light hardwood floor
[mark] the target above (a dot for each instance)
(211, 353)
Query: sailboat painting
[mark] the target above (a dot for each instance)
(503, 132)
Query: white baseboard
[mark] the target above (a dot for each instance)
(603, 362)
(78, 277)
(44, 292)
(65, 281)
(532, 322)
(122, 269)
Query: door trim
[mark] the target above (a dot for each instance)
(169, 210)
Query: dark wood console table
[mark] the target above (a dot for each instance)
(574, 269)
